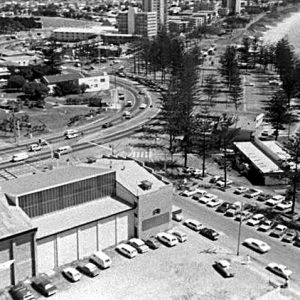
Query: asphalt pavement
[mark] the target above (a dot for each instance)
(280, 252)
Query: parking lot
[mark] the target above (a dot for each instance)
(181, 272)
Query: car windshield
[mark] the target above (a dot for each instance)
(48, 286)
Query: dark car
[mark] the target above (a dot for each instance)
(278, 231)
(223, 207)
(152, 243)
(209, 233)
(107, 124)
(289, 236)
(21, 292)
(88, 269)
(223, 267)
(44, 286)
(297, 242)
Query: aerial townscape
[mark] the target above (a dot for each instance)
(150, 149)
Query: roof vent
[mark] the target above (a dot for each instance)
(146, 185)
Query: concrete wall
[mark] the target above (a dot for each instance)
(153, 208)
(95, 83)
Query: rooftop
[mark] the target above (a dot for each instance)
(75, 216)
(258, 158)
(12, 219)
(131, 174)
(277, 149)
(49, 179)
(52, 79)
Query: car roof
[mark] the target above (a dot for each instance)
(224, 263)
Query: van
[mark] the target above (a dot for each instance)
(62, 150)
(101, 259)
(19, 156)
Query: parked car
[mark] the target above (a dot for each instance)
(21, 292)
(152, 243)
(241, 190)
(88, 269)
(35, 147)
(264, 197)
(44, 286)
(289, 236)
(284, 205)
(189, 192)
(101, 259)
(265, 225)
(216, 178)
(278, 231)
(181, 236)
(210, 233)
(251, 193)
(243, 215)
(223, 207)
(257, 245)
(143, 106)
(199, 194)
(193, 224)
(71, 274)
(256, 219)
(275, 200)
(236, 205)
(231, 212)
(224, 268)
(139, 245)
(214, 202)
(167, 239)
(297, 242)
(279, 269)
(207, 198)
(221, 183)
(126, 250)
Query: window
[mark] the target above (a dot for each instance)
(102, 80)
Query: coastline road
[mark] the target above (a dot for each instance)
(280, 252)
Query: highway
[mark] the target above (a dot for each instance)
(280, 252)
(121, 128)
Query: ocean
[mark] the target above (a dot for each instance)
(288, 28)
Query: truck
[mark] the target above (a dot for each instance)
(177, 213)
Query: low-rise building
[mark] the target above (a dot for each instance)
(52, 218)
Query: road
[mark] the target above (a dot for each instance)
(281, 253)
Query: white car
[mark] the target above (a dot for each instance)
(241, 190)
(193, 224)
(284, 205)
(214, 202)
(127, 250)
(71, 274)
(255, 220)
(167, 238)
(257, 245)
(139, 245)
(207, 197)
(221, 183)
(181, 236)
(280, 270)
(251, 193)
(143, 106)
(35, 147)
(275, 200)
(265, 226)
(189, 193)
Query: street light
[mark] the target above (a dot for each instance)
(49, 145)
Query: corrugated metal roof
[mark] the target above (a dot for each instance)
(52, 79)
(45, 180)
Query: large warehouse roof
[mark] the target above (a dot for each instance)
(131, 175)
(49, 179)
(12, 219)
(257, 157)
(75, 216)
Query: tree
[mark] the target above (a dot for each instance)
(36, 91)
(67, 88)
(293, 147)
(277, 111)
(16, 82)
(210, 89)
(236, 90)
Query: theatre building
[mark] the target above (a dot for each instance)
(68, 213)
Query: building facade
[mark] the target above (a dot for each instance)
(67, 213)
(146, 24)
(72, 34)
(158, 6)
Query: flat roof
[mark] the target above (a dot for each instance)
(13, 219)
(277, 149)
(49, 179)
(51, 79)
(75, 29)
(130, 174)
(79, 215)
(258, 158)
